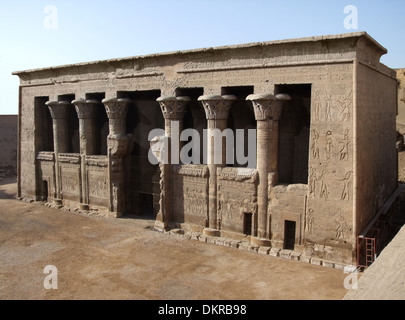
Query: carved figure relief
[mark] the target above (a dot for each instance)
(340, 228)
(328, 144)
(328, 106)
(317, 105)
(345, 103)
(344, 147)
(346, 187)
(314, 144)
(310, 221)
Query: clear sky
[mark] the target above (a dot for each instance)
(86, 30)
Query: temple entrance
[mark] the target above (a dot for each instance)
(289, 234)
(294, 134)
(247, 223)
(146, 205)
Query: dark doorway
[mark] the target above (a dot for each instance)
(44, 191)
(146, 205)
(294, 129)
(289, 234)
(247, 223)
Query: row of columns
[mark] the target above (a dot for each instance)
(267, 110)
(118, 144)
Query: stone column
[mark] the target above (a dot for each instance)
(59, 112)
(118, 146)
(217, 111)
(86, 112)
(267, 109)
(173, 109)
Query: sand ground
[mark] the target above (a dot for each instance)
(105, 258)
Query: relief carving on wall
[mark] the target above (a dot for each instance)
(332, 108)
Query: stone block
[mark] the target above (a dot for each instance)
(211, 239)
(244, 245)
(328, 264)
(316, 261)
(264, 250)
(286, 254)
(305, 259)
(275, 252)
(253, 248)
(202, 238)
(295, 255)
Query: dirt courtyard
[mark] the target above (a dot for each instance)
(100, 258)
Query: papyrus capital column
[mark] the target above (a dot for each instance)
(86, 112)
(118, 144)
(59, 112)
(267, 109)
(216, 109)
(173, 110)
(117, 114)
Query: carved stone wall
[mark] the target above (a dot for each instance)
(288, 203)
(376, 136)
(237, 195)
(351, 163)
(70, 177)
(8, 142)
(97, 180)
(190, 194)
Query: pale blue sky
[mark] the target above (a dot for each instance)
(90, 30)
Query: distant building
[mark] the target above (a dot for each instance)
(8, 145)
(324, 111)
(401, 100)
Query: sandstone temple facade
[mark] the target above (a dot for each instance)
(323, 110)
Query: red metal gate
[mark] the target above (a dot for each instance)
(366, 251)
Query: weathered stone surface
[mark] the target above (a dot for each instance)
(329, 104)
(8, 142)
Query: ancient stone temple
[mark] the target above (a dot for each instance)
(320, 112)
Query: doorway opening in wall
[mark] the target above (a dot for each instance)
(247, 223)
(43, 125)
(143, 115)
(241, 117)
(289, 234)
(101, 124)
(146, 205)
(294, 132)
(44, 191)
(194, 117)
(73, 124)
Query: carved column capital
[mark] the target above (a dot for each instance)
(267, 106)
(86, 109)
(173, 108)
(217, 107)
(58, 109)
(116, 108)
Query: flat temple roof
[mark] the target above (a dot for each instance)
(219, 48)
